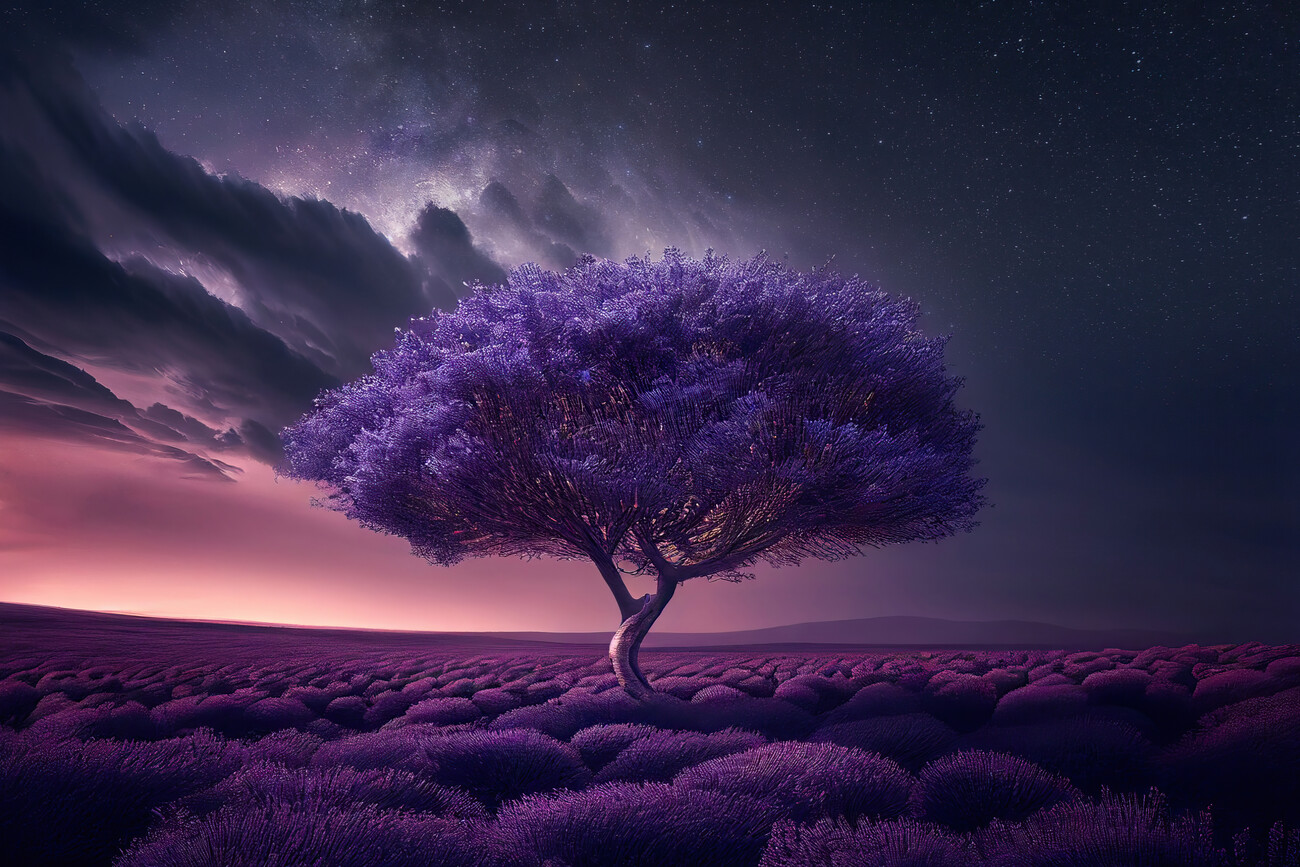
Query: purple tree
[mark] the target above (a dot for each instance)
(677, 419)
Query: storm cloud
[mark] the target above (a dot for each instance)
(118, 256)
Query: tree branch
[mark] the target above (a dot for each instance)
(627, 606)
(652, 553)
(682, 572)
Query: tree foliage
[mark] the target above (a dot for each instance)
(690, 417)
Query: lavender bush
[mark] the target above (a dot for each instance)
(969, 789)
(639, 825)
(297, 835)
(808, 780)
(658, 756)
(911, 739)
(891, 843)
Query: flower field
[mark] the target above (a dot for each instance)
(148, 745)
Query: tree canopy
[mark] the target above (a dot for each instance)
(688, 417)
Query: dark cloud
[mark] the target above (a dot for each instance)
(184, 425)
(499, 203)
(26, 372)
(52, 398)
(100, 229)
(134, 316)
(565, 219)
(318, 277)
(501, 212)
(23, 415)
(261, 442)
(445, 247)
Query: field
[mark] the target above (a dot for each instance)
(134, 742)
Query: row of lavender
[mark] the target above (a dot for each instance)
(343, 756)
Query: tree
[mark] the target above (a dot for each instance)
(677, 419)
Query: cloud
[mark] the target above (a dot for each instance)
(501, 211)
(25, 416)
(114, 252)
(444, 246)
(133, 316)
(32, 374)
(318, 277)
(49, 397)
(565, 219)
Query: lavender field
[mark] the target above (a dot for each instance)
(145, 743)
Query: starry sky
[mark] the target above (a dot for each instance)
(211, 211)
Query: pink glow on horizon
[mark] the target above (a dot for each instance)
(101, 530)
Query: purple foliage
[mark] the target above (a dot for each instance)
(17, 700)
(498, 766)
(1078, 666)
(287, 747)
(1117, 831)
(772, 717)
(969, 789)
(1282, 848)
(799, 694)
(1244, 759)
(658, 756)
(313, 697)
(963, 701)
(318, 832)
(1092, 751)
(1126, 686)
(561, 717)
(263, 785)
(1040, 701)
(719, 692)
(1229, 687)
(639, 825)
(829, 692)
(388, 748)
(757, 685)
(912, 740)
(694, 418)
(891, 843)
(348, 711)
(72, 791)
(92, 719)
(128, 721)
(877, 699)
(49, 705)
(644, 393)
(1284, 670)
(272, 714)
(599, 744)
(1173, 672)
(444, 711)
(385, 705)
(495, 701)
(678, 686)
(808, 780)
(74, 803)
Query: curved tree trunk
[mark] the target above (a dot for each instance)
(623, 649)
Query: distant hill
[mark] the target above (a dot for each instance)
(893, 632)
(32, 625)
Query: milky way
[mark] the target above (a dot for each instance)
(209, 213)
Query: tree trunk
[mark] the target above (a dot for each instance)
(623, 649)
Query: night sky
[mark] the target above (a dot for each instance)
(209, 212)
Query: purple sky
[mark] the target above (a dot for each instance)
(209, 213)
